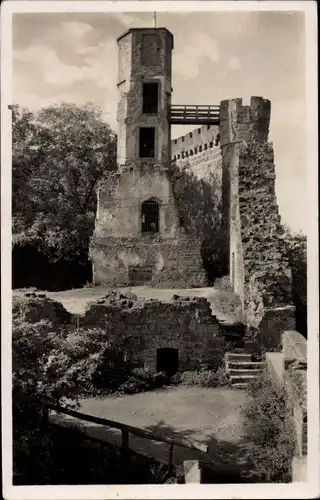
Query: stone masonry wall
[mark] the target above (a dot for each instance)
(251, 220)
(118, 247)
(185, 324)
(196, 177)
(151, 260)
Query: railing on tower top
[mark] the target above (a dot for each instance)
(183, 115)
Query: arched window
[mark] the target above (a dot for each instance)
(150, 216)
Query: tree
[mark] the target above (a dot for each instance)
(58, 156)
(294, 246)
(295, 251)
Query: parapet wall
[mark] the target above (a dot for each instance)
(195, 142)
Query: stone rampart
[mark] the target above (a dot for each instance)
(251, 221)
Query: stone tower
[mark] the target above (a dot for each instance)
(138, 238)
(144, 97)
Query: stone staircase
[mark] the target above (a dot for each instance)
(241, 369)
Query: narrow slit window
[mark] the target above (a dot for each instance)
(150, 217)
(147, 142)
(150, 98)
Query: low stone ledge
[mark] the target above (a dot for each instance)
(192, 471)
(299, 469)
(294, 349)
(274, 322)
(274, 362)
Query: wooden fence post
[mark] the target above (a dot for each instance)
(124, 445)
(170, 463)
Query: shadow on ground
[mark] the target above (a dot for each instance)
(225, 462)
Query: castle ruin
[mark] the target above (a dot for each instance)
(148, 231)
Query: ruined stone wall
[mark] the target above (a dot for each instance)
(251, 219)
(149, 260)
(184, 323)
(122, 254)
(120, 197)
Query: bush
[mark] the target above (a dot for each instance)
(202, 378)
(269, 431)
(141, 380)
(34, 385)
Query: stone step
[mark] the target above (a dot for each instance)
(239, 385)
(238, 356)
(245, 365)
(234, 379)
(241, 372)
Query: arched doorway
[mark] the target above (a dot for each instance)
(167, 360)
(150, 216)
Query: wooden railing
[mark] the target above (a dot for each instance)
(128, 429)
(194, 115)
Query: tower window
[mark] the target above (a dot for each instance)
(150, 217)
(150, 98)
(147, 142)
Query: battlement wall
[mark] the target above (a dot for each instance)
(197, 141)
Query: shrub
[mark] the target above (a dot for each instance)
(142, 379)
(269, 431)
(33, 385)
(202, 378)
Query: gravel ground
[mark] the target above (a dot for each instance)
(193, 415)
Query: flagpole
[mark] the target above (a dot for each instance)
(155, 19)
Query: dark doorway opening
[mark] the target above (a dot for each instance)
(150, 217)
(167, 361)
(147, 142)
(150, 98)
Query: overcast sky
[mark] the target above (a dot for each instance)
(73, 58)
